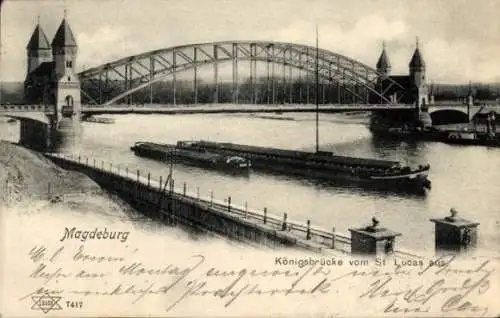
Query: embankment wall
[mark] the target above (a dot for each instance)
(174, 208)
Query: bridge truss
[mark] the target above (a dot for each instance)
(348, 80)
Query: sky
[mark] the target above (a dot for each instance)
(459, 39)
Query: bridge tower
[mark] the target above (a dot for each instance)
(470, 97)
(417, 78)
(383, 67)
(418, 87)
(39, 50)
(66, 122)
(383, 64)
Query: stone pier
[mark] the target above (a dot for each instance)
(373, 240)
(455, 234)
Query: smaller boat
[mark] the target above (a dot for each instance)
(454, 137)
(471, 138)
(198, 157)
(99, 120)
(11, 120)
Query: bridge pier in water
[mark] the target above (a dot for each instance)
(34, 134)
(62, 136)
(65, 135)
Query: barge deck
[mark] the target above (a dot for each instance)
(323, 165)
(198, 157)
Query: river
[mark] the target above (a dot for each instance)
(464, 177)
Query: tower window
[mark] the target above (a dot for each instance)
(69, 63)
(69, 101)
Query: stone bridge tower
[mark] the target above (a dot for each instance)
(418, 84)
(39, 56)
(52, 81)
(383, 63)
(39, 50)
(418, 87)
(384, 68)
(66, 122)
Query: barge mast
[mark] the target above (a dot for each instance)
(317, 91)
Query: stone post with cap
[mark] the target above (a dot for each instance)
(453, 233)
(373, 240)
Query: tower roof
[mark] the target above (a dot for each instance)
(417, 60)
(38, 40)
(383, 61)
(64, 36)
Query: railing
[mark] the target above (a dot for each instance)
(303, 231)
(27, 108)
(139, 108)
(236, 107)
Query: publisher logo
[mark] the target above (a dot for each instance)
(46, 303)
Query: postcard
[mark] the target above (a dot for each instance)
(216, 158)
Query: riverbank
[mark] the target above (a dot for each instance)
(26, 175)
(32, 185)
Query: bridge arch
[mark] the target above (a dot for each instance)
(449, 116)
(116, 80)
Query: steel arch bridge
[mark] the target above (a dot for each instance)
(116, 81)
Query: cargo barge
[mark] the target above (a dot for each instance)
(191, 156)
(323, 165)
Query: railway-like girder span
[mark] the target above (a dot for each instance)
(115, 81)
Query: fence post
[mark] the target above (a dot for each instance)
(283, 226)
(184, 189)
(308, 233)
(87, 161)
(94, 163)
(79, 158)
(211, 198)
(149, 178)
(126, 172)
(102, 165)
(333, 237)
(229, 204)
(173, 205)
(138, 175)
(246, 209)
(198, 193)
(161, 181)
(110, 167)
(265, 215)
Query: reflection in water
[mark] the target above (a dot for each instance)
(410, 151)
